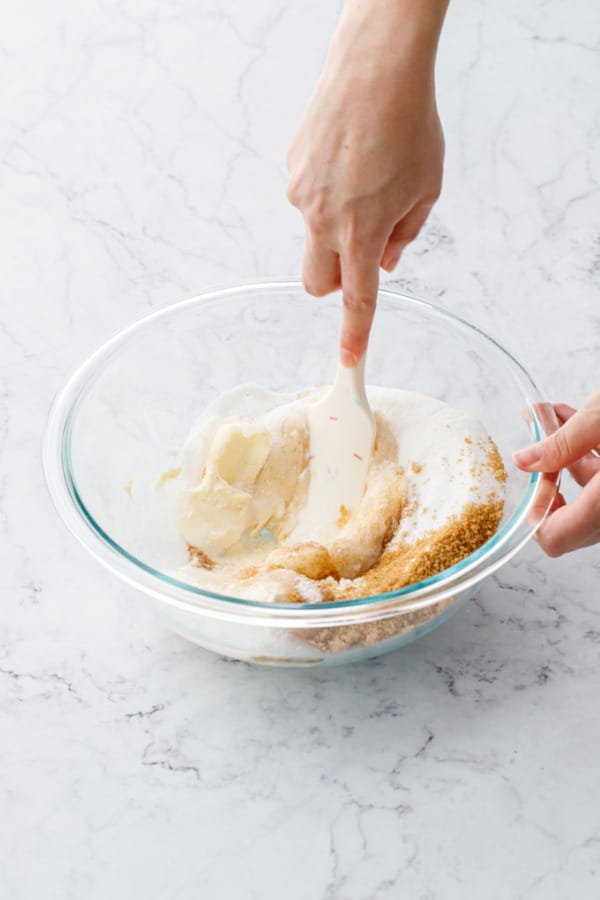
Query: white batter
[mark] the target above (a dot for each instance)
(246, 466)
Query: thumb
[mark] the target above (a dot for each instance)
(579, 435)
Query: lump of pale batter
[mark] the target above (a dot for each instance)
(244, 508)
(215, 514)
(251, 481)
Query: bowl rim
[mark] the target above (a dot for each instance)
(70, 506)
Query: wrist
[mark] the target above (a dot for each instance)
(386, 33)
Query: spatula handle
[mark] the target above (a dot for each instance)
(350, 383)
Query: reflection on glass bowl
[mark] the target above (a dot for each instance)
(123, 415)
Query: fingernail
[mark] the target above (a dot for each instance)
(529, 456)
(347, 357)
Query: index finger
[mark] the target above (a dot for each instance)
(360, 281)
(572, 441)
(589, 464)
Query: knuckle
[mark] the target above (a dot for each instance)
(293, 192)
(359, 229)
(350, 245)
(592, 406)
(433, 195)
(592, 413)
(309, 286)
(551, 549)
(317, 217)
(313, 287)
(549, 544)
(289, 158)
(354, 236)
(359, 304)
(559, 445)
(315, 223)
(593, 488)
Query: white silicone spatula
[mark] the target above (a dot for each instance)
(342, 432)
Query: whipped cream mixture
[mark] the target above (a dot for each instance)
(434, 494)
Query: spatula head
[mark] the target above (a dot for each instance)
(342, 432)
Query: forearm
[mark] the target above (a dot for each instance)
(382, 45)
(388, 29)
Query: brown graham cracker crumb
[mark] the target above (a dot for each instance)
(416, 467)
(309, 559)
(335, 640)
(200, 559)
(494, 462)
(344, 516)
(407, 564)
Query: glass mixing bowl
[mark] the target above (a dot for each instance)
(120, 421)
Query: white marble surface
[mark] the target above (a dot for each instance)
(141, 160)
